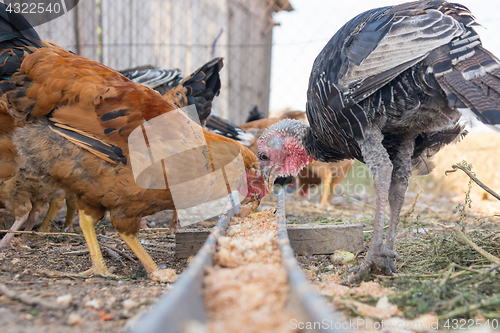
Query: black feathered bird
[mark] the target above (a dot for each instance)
(388, 89)
(197, 89)
(160, 79)
(254, 114)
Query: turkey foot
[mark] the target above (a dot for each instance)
(380, 262)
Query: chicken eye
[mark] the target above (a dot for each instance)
(264, 157)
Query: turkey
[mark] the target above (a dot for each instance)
(389, 89)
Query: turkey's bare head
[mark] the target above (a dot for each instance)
(280, 150)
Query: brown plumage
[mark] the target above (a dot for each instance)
(78, 116)
(8, 151)
(329, 175)
(257, 127)
(21, 193)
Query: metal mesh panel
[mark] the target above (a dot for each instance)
(180, 34)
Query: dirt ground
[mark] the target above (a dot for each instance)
(46, 268)
(96, 304)
(104, 305)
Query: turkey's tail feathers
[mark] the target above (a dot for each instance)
(199, 89)
(474, 83)
(17, 37)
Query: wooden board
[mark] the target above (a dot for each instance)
(305, 240)
(309, 240)
(189, 241)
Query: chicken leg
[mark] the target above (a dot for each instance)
(378, 162)
(174, 225)
(98, 266)
(54, 206)
(342, 172)
(70, 211)
(6, 240)
(33, 216)
(327, 187)
(160, 275)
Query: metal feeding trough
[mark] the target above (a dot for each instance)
(182, 308)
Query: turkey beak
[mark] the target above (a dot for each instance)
(269, 175)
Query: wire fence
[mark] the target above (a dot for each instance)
(181, 34)
(268, 49)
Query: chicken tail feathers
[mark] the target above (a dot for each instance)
(161, 80)
(199, 89)
(229, 130)
(17, 37)
(254, 114)
(474, 83)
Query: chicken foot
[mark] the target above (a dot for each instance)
(54, 206)
(160, 275)
(98, 266)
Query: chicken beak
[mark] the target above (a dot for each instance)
(269, 175)
(257, 196)
(255, 201)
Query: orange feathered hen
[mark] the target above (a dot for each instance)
(78, 116)
(22, 194)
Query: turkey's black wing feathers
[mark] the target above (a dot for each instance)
(375, 48)
(228, 129)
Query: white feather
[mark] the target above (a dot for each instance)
(245, 138)
(472, 123)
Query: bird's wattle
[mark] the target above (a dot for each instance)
(295, 160)
(281, 152)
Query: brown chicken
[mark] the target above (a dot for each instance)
(328, 174)
(21, 193)
(257, 127)
(197, 89)
(78, 116)
(315, 173)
